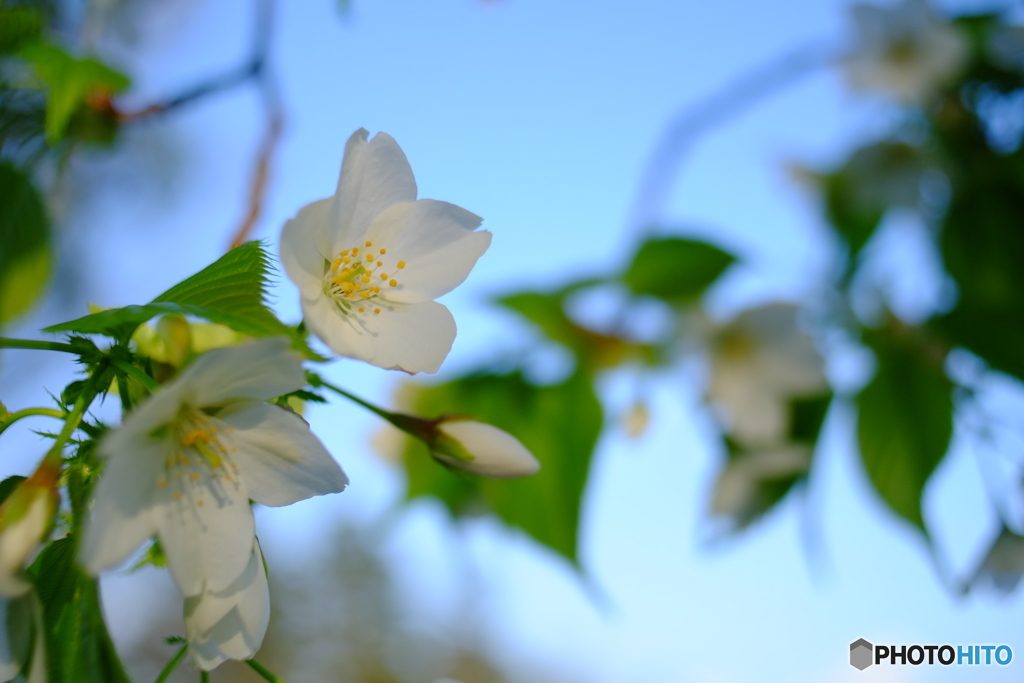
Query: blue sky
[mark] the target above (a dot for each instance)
(539, 116)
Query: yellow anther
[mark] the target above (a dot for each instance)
(380, 263)
(361, 309)
(383, 276)
(344, 253)
(365, 294)
(401, 264)
(369, 244)
(348, 295)
(376, 310)
(393, 283)
(365, 279)
(195, 476)
(346, 260)
(355, 251)
(199, 502)
(383, 251)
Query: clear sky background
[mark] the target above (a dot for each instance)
(539, 115)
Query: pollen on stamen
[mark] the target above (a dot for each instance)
(195, 476)
(401, 264)
(383, 251)
(376, 310)
(361, 309)
(369, 244)
(393, 283)
(380, 263)
(383, 276)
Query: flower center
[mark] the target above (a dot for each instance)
(357, 275)
(199, 457)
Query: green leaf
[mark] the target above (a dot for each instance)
(905, 423)
(675, 269)
(79, 649)
(25, 259)
(18, 25)
(592, 349)
(231, 291)
(559, 424)
(995, 335)
(806, 417)
(69, 82)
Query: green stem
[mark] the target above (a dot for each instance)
(89, 392)
(9, 419)
(138, 375)
(204, 677)
(9, 343)
(263, 671)
(416, 426)
(172, 665)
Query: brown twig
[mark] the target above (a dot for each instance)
(261, 173)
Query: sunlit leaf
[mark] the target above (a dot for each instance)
(559, 424)
(675, 269)
(69, 82)
(25, 259)
(905, 423)
(231, 292)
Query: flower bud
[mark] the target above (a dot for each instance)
(482, 449)
(25, 518)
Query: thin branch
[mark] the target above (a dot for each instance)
(693, 122)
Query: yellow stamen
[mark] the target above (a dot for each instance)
(369, 244)
(383, 250)
(376, 310)
(401, 264)
(393, 283)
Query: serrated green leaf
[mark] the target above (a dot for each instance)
(69, 81)
(231, 291)
(675, 269)
(905, 423)
(559, 424)
(25, 259)
(79, 649)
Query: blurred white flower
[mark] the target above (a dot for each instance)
(482, 449)
(904, 50)
(230, 623)
(26, 516)
(370, 260)
(759, 361)
(738, 489)
(186, 462)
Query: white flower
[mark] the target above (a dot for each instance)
(737, 491)
(482, 449)
(370, 261)
(230, 623)
(759, 361)
(25, 518)
(186, 462)
(903, 50)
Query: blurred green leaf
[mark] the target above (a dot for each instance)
(559, 424)
(905, 423)
(675, 269)
(25, 259)
(19, 25)
(231, 291)
(69, 83)
(806, 417)
(546, 310)
(79, 649)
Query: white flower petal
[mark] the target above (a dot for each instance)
(374, 176)
(207, 529)
(345, 335)
(260, 370)
(230, 623)
(496, 453)
(412, 337)
(122, 517)
(305, 245)
(279, 458)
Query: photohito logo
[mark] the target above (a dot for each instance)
(863, 654)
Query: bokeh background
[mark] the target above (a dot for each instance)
(542, 118)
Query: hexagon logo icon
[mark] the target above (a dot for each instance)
(860, 654)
